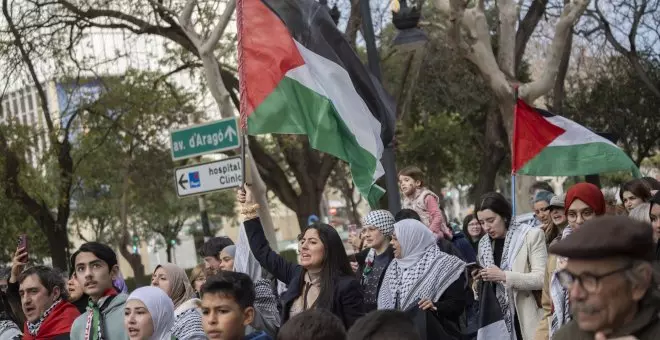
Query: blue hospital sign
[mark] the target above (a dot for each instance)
(198, 179)
(193, 177)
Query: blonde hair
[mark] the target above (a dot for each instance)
(196, 273)
(641, 213)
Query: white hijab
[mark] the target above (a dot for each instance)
(160, 307)
(407, 280)
(414, 239)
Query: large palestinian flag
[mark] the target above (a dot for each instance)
(298, 75)
(545, 144)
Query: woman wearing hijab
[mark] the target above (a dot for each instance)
(513, 258)
(149, 315)
(187, 316)
(227, 256)
(584, 201)
(378, 226)
(422, 277)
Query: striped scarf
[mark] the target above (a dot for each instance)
(94, 326)
(515, 238)
(560, 299)
(33, 328)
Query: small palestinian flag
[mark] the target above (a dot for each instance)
(298, 75)
(545, 144)
(492, 325)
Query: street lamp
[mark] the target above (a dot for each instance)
(406, 19)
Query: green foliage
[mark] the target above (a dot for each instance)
(14, 221)
(617, 101)
(442, 130)
(125, 141)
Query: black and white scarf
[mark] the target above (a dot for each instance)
(33, 327)
(515, 238)
(422, 272)
(561, 314)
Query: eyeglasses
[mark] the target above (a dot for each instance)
(474, 224)
(588, 282)
(573, 215)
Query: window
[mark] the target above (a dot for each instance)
(30, 102)
(23, 109)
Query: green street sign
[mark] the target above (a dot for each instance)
(205, 138)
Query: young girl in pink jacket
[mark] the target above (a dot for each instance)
(423, 201)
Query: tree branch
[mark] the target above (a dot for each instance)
(219, 29)
(273, 175)
(18, 41)
(571, 13)
(527, 26)
(507, 37)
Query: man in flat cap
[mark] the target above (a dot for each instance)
(610, 280)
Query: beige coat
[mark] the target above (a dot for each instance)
(542, 332)
(528, 269)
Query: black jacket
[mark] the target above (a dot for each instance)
(361, 257)
(443, 323)
(348, 297)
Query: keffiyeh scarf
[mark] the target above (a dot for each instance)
(515, 238)
(560, 302)
(33, 328)
(402, 289)
(94, 326)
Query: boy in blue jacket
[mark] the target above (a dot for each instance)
(228, 307)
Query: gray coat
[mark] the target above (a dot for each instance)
(113, 321)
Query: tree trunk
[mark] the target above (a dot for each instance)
(308, 204)
(169, 250)
(494, 153)
(58, 242)
(133, 259)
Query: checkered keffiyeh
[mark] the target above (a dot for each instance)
(382, 220)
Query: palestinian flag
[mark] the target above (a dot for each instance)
(491, 319)
(545, 144)
(298, 75)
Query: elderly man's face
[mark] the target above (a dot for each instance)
(614, 302)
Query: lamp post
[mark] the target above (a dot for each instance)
(406, 19)
(335, 14)
(388, 159)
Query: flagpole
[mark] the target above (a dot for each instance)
(388, 158)
(513, 156)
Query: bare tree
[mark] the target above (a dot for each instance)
(154, 18)
(27, 29)
(631, 28)
(206, 48)
(468, 27)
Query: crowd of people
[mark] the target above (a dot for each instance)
(574, 269)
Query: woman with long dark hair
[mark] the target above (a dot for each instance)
(634, 193)
(513, 258)
(323, 279)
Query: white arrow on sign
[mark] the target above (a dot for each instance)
(198, 179)
(229, 132)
